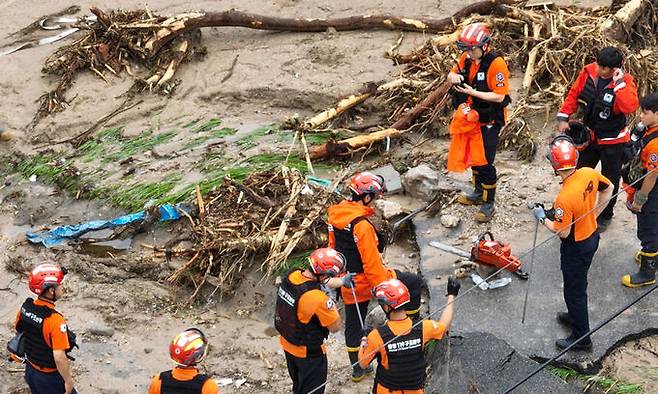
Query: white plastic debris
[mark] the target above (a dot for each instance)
(33, 178)
(479, 282)
(240, 382)
(224, 382)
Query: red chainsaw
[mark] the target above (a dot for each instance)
(486, 250)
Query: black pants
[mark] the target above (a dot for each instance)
(486, 174)
(44, 383)
(647, 223)
(611, 158)
(575, 260)
(307, 374)
(353, 331)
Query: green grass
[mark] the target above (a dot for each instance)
(299, 261)
(250, 140)
(221, 133)
(209, 125)
(321, 138)
(133, 197)
(140, 143)
(605, 383)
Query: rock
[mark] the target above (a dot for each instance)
(331, 30)
(148, 350)
(450, 221)
(541, 187)
(5, 135)
(101, 331)
(375, 317)
(388, 208)
(412, 255)
(471, 368)
(423, 182)
(391, 178)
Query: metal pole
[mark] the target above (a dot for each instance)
(358, 310)
(592, 331)
(532, 261)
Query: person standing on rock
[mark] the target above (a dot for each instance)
(643, 195)
(46, 335)
(353, 235)
(306, 314)
(605, 96)
(399, 344)
(481, 79)
(583, 197)
(186, 350)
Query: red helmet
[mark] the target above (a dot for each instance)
(367, 183)
(563, 153)
(475, 35)
(580, 135)
(44, 276)
(188, 348)
(327, 261)
(392, 293)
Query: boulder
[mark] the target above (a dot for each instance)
(423, 182)
(389, 209)
(449, 221)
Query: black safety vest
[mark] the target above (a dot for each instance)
(346, 245)
(37, 350)
(311, 334)
(169, 385)
(597, 110)
(488, 111)
(406, 360)
(632, 169)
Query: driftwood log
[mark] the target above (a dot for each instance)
(181, 23)
(332, 148)
(618, 24)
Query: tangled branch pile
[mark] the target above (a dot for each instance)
(270, 214)
(108, 46)
(547, 44)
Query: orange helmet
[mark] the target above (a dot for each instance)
(392, 293)
(563, 153)
(44, 276)
(327, 261)
(367, 183)
(188, 348)
(475, 35)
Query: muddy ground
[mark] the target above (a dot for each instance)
(123, 295)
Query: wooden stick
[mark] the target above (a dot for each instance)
(616, 26)
(342, 106)
(529, 75)
(199, 200)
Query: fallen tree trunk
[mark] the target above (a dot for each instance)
(617, 25)
(342, 106)
(178, 24)
(332, 149)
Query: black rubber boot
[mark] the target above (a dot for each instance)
(472, 198)
(585, 344)
(487, 208)
(358, 373)
(647, 273)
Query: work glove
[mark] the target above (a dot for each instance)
(348, 280)
(539, 211)
(453, 286)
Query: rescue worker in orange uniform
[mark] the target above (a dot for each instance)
(186, 350)
(353, 235)
(399, 344)
(643, 195)
(305, 315)
(46, 335)
(481, 79)
(605, 96)
(582, 198)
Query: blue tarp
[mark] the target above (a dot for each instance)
(62, 234)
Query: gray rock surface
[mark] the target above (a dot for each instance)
(479, 362)
(499, 311)
(423, 182)
(391, 177)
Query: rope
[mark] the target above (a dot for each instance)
(553, 235)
